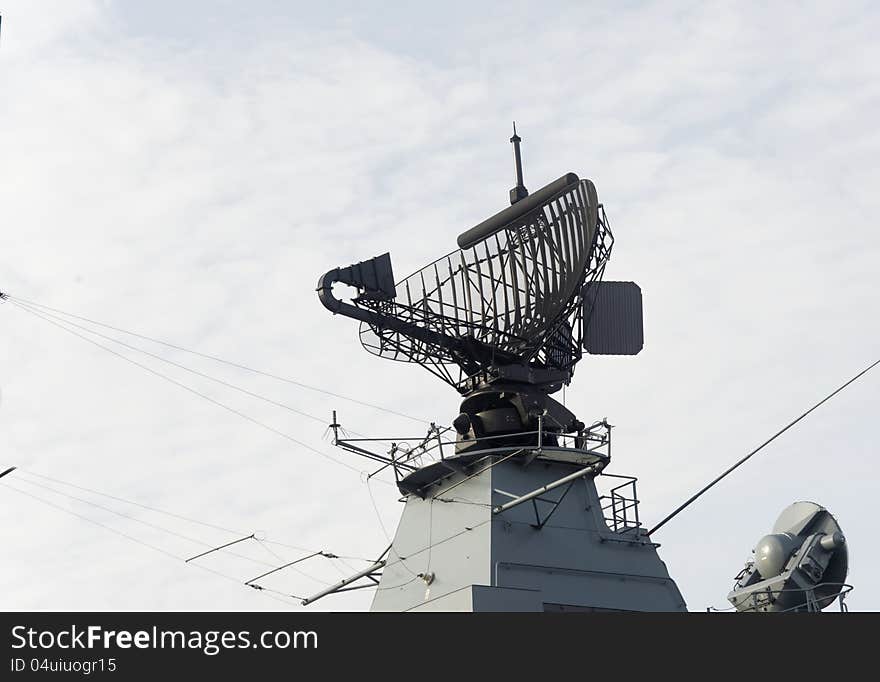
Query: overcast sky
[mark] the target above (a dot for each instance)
(188, 170)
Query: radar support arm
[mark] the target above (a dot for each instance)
(374, 280)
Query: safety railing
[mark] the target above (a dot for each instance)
(620, 507)
(405, 455)
(762, 599)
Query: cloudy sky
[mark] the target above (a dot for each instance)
(188, 170)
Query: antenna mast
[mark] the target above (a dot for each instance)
(520, 191)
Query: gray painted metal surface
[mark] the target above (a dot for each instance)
(452, 553)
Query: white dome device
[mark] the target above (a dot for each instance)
(800, 566)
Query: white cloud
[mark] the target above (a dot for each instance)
(195, 191)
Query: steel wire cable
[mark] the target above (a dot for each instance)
(62, 323)
(221, 360)
(185, 387)
(231, 531)
(767, 442)
(180, 535)
(132, 538)
(196, 372)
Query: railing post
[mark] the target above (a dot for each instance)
(439, 439)
(540, 432)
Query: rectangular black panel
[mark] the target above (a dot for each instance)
(613, 318)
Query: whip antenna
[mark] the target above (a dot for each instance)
(520, 191)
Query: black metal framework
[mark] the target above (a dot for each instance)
(511, 297)
(516, 295)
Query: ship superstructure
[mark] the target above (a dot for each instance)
(502, 509)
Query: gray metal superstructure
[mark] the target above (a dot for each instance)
(453, 551)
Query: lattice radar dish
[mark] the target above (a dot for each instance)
(512, 295)
(514, 290)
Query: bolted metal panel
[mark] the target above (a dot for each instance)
(613, 311)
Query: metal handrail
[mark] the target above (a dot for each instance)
(845, 589)
(404, 455)
(620, 505)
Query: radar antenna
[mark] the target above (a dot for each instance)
(504, 319)
(800, 566)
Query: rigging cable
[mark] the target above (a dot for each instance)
(215, 358)
(176, 364)
(212, 547)
(137, 520)
(59, 322)
(402, 560)
(290, 565)
(696, 495)
(132, 538)
(189, 519)
(192, 390)
(285, 564)
(385, 530)
(138, 504)
(63, 324)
